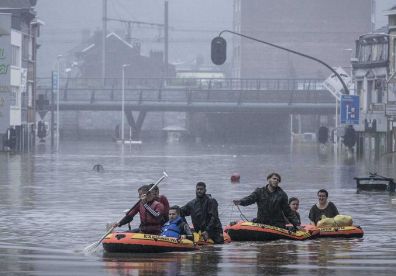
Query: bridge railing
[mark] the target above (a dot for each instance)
(188, 96)
(193, 83)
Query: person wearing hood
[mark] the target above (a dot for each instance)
(204, 215)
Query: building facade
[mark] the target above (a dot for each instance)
(390, 110)
(85, 59)
(320, 28)
(18, 45)
(370, 70)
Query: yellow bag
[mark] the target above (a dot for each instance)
(197, 236)
(326, 222)
(338, 220)
(343, 220)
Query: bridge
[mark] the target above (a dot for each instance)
(293, 96)
(186, 95)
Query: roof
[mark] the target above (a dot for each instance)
(108, 36)
(374, 37)
(391, 11)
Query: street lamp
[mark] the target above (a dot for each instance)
(123, 100)
(218, 55)
(57, 102)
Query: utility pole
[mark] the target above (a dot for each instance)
(104, 33)
(129, 33)
(166, 39)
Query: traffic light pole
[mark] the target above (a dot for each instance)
(346, 90)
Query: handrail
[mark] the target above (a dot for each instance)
(181, 83)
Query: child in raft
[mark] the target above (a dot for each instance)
(294, 203)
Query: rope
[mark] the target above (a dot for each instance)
(243, 217)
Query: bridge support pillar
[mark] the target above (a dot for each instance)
(136, 125)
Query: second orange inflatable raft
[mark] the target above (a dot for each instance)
(250, 231)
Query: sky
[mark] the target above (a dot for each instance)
(189, 20)
(196, 22)
(383, 5)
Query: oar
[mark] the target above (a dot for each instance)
(92, 247)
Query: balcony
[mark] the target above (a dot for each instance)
(391, 110)
(377, 107)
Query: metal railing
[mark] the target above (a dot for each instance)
(193, 83)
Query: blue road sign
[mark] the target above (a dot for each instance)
(349, 110)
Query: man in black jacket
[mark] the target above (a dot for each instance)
(272, 203)
(204, 214)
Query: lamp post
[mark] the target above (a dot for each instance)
(123, 100)
(57, 102)
(219, 49)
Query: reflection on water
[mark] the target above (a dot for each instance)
(203, 262)
(53, 205)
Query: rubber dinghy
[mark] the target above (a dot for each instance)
(336, 231)
(145, 243)
(250, 231)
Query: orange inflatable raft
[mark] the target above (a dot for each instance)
(250, 231)
(336, 232)
(145, 243)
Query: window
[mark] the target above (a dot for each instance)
(25, 48)
(15, 56)
(394, 56)
(14, 96)
(365, 53)
(376, 52)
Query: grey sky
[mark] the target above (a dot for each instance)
(194, 22)
(383, 5)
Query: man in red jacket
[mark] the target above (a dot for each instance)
(151, 213)
(162, 199)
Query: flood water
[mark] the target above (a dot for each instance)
(52, 205)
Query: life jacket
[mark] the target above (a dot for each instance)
(172, 229)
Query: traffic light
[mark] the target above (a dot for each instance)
(219, 50)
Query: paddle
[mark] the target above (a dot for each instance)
(92, 247)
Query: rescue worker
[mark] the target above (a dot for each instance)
(151, 213)
(272, 204)
(176, 227)
(204, 215)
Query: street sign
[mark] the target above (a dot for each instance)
(333, 84)
(349, 110)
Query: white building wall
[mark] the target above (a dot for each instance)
(15, 109)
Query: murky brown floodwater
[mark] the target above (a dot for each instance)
(53, 205)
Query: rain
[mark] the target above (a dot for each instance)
(236, 107)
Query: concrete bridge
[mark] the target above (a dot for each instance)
(286, 96)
